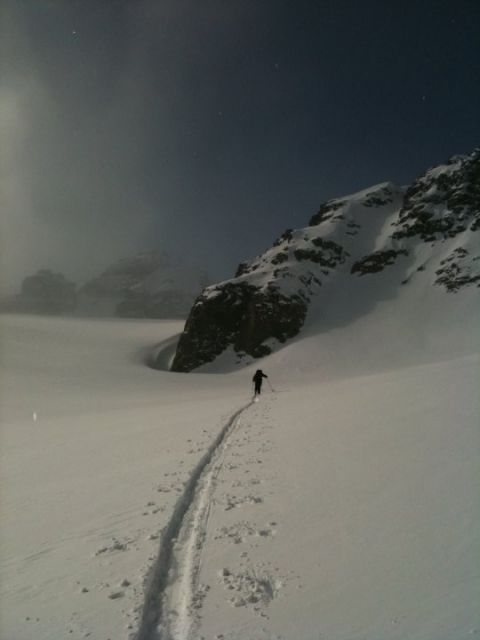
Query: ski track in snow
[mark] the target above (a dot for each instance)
(170, 599)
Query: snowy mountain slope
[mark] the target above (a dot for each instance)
(427, 233)
(150, 284)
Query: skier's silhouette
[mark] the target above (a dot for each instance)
(257, 380)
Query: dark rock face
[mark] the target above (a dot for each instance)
(443, 205)
(455, 272)
(376, 261)
(327, 253)
(46, 292)
(378, 198)
(280, 257)
(240, 315)
(285, 237)
(244, 313)
(326, 212)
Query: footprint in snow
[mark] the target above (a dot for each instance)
(232, 502)
(251, 588)
(115, 546)
(239, 533)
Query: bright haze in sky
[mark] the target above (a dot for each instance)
(206, 128)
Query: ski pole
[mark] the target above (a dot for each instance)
(271, 388)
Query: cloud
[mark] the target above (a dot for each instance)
(104, 108)
(73, 146)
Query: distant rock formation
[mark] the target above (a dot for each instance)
(45, 292)
(148, 285)
(429, 227)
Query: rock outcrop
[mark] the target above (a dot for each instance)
(239, 315)
(382, 232)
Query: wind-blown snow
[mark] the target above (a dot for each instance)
(343, 505)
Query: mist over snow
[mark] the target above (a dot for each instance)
(149, 284)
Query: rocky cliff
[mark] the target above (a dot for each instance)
(427, 230)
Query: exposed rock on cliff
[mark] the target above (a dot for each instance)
(386, 232)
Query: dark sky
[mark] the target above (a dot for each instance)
(208, 127)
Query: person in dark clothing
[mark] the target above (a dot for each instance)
(257, 380)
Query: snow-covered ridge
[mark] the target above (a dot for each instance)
(342, 230)
(428, 227)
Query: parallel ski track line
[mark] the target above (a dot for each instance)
(153, 626)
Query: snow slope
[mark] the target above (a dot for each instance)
(146, 504)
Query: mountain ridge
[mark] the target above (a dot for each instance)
(150, 284)
(429, 226)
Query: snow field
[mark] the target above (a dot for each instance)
(364, 522)
(342, 506)
(88, 486)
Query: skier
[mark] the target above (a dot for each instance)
(257, 380)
